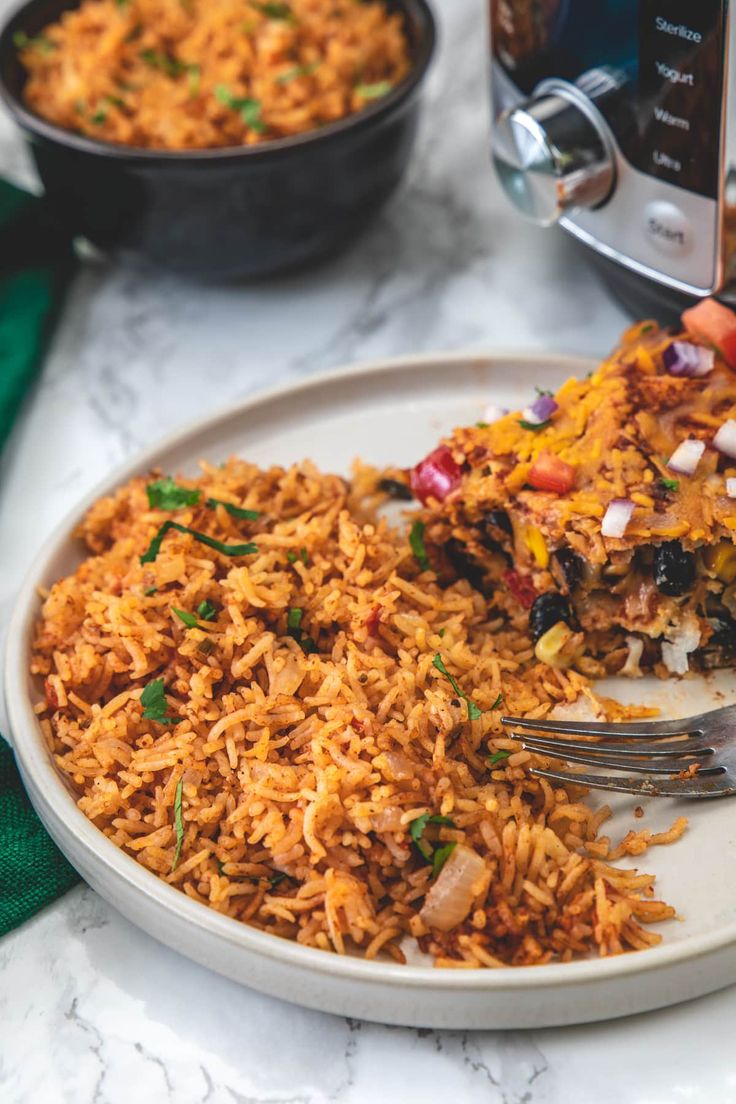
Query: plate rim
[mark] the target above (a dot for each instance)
(38, 769)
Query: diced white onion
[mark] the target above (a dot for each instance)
(451, 897)
(631, 668)
(681, 642)
(725, 438)
(492, 413)
(617, 517)
(686, 456)
(731, 487)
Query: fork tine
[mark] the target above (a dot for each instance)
(689, 745)
(696, 786)
(640, 730)
(640, 766)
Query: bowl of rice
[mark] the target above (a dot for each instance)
(225, 139)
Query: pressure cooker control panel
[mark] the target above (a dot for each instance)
(609, 117)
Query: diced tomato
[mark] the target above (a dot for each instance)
(51, 699)
(521, 587)
(713, 324)
(373, 620)
(549, 473)
(435, 476)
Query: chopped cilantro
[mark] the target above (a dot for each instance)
(474, 711)
(206, 611)
(292, 557)
(165, 494)
(482, 425)
(297, 71)
(188, 618)
(294, 625)
(648, 327)
(442, 632)
(98, 118)
(441, 856)
(497, 702)
(416, 831)
(233, 511)
(227, 549)
(533, 426)
(274, 11)
(498, 757)
(149, 591)
(670, 484)
(374, 91)
(153, 700)
(416, 542)
(396, 489)
(541, 391)
(248, 108)
(178, 822)
(169, 65)
(22, 41)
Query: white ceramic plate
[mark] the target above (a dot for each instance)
(394, 412)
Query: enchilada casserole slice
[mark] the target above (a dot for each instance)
(606, 513)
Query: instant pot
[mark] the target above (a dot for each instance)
(616, 119)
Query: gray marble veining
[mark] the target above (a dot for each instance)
(92, 1011)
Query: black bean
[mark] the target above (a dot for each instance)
(498, 519)
(568, 567)
(464, 564)
(547, 610)
(674, 568)
(396, 489)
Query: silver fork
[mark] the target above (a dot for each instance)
(658, 751)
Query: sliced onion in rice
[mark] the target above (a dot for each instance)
(686, 456)
(617, 517)
(725, 439)
(541, 410)
(682, 358)
(451, 897)
(731, 487)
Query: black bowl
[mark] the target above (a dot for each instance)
(235, 212)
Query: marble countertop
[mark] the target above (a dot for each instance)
(91, 1009)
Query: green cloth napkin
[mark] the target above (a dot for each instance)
(36, 261)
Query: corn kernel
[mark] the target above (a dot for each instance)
(536, 544)
(548, 647)
(721, 560)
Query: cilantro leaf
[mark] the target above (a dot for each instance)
(374, 91)
(149, 591)
(227, 549)
(274, 11)
(169, 65)
(474, 711)
(234, 511)
(482, 425)
(23, 41)
(165, 494)
(297, 71)
(153, 700)
(292, 557)
(416, 831)
(416, 543)
(441, 856)
(188, 618)
(178, 822)
(498, 757)
(294, 618)
(442, 632)
(670, 484)
(248, 108)
(533, 426)
(206, 611)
